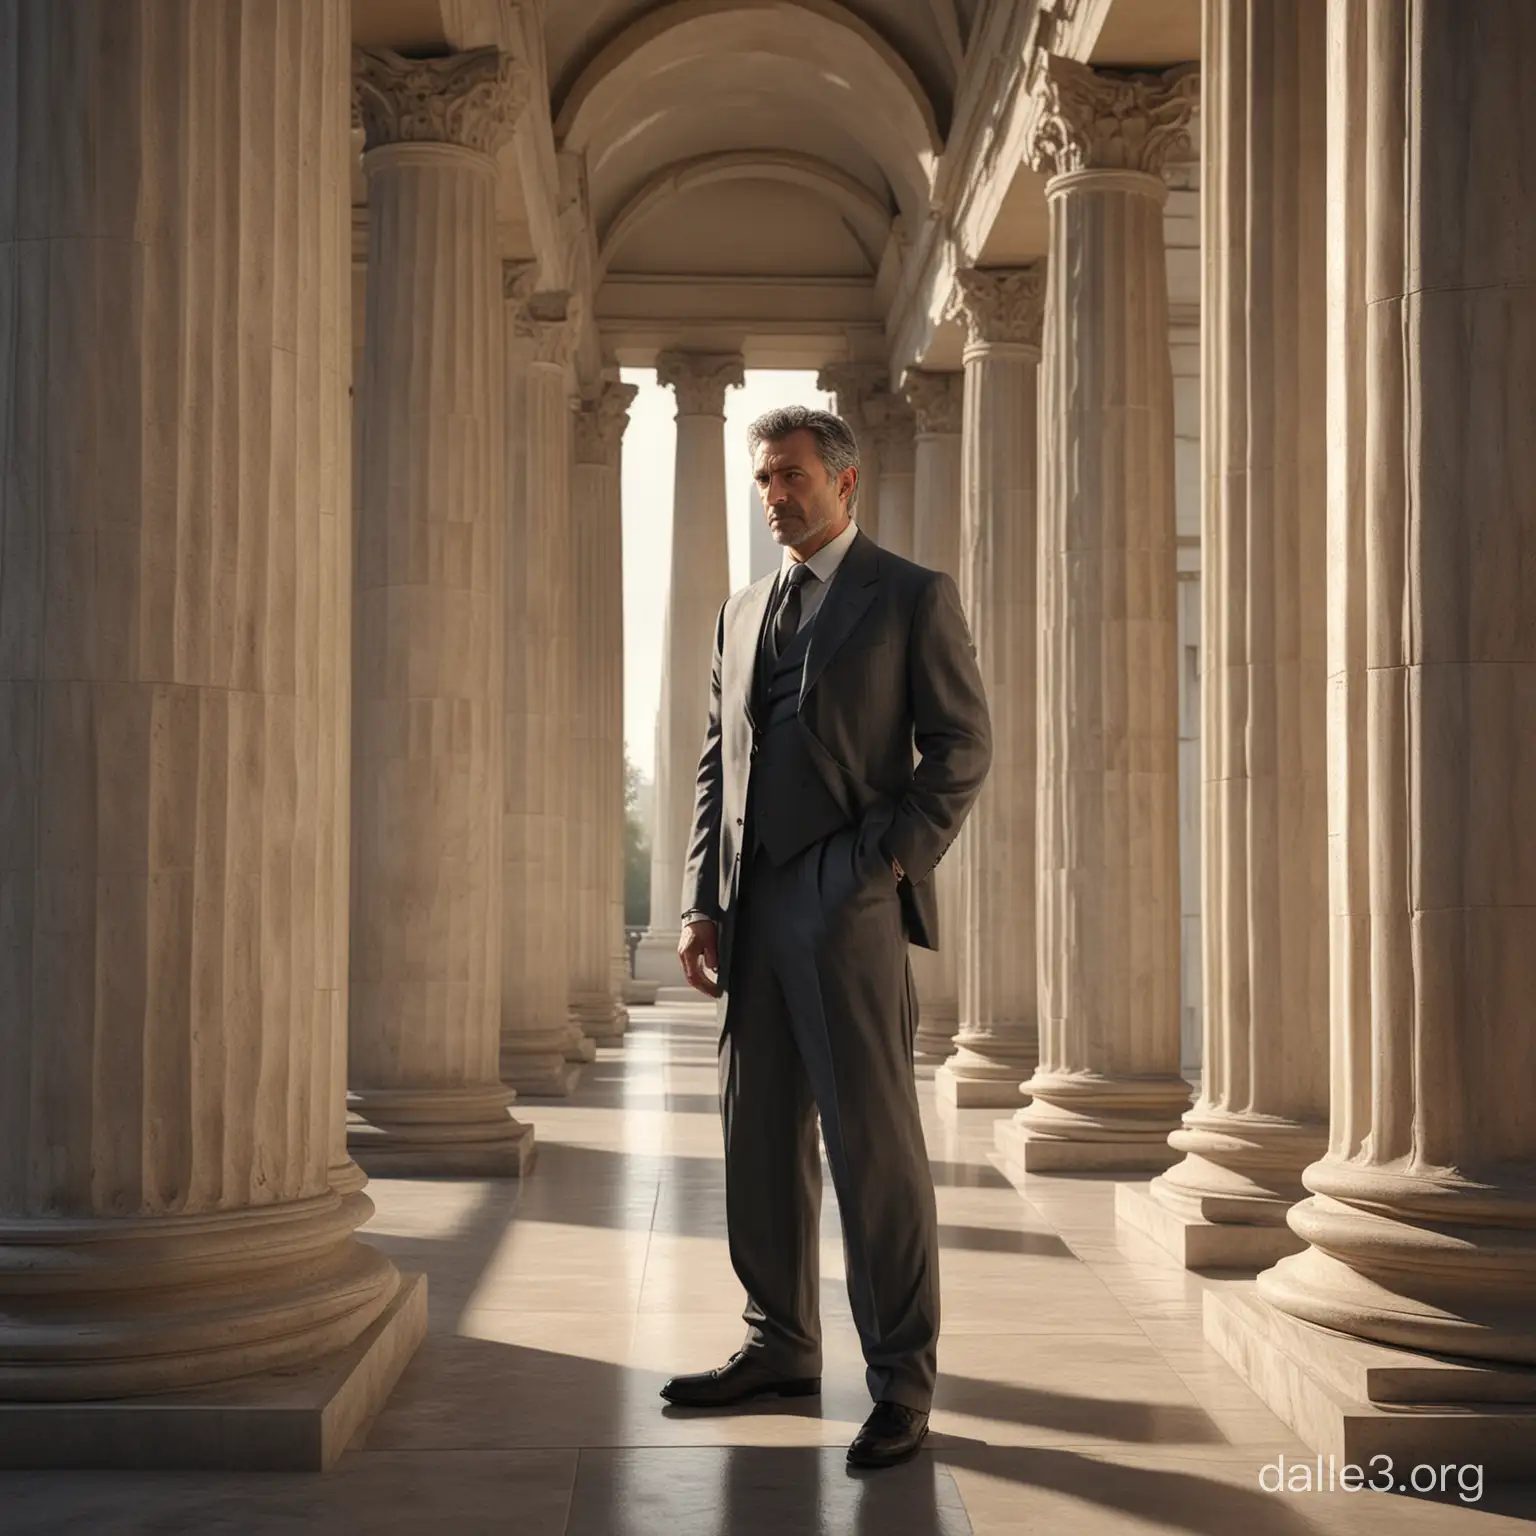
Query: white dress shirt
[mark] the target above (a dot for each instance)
(823, 566)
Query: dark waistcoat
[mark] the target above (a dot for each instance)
(788, 804)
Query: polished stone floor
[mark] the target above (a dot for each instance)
(1075, 1394)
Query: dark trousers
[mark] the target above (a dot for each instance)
(818, 1018)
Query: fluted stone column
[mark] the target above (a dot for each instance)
(1107, 1090)
(897, 450)
(1261, 1115)
(597, 757)
(699, 585)
(427, 759)
(937, 402)
(1422, 1215)
(173, 504)
(859, 397)
(997, 1040)
(536, 1027)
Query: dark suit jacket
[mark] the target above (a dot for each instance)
(890, 665)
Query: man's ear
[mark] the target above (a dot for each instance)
(846, 482)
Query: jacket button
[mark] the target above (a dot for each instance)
(738, 821)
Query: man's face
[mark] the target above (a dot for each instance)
(804, 505)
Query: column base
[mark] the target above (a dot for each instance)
(296, 1420)
(539, 1075)
(579, 1049)
(1028, 1151)
(1350, 1400)
(382, 1155)
(656, 956)
(959, 1089)
(638, 993)
(1200, 1244)
(603, 1021)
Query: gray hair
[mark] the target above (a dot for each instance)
(836, 446)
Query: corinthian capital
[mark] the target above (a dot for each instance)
(468, 99)
(600, 425)
(541, 318)
(855, 387)
(700, 379)
(1005, 307)
(937, 401)
(893, 435)
(1107, 120)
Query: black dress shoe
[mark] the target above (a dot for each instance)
(892, 1433)
(738, 1380)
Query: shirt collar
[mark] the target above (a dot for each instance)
(824, 563)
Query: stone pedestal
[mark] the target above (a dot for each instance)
(1421, 1222)
(996, 1044)
(597, 756)
(699, 586)
(171, 606)
(1107, 1090)
(427, 759)
(937, 400)
(859, 397)
(536, 1028)
(1264, 1087)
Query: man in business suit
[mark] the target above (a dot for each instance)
(809, 869)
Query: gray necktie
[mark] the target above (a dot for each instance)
(787, 620)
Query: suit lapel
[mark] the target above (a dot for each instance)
(745, 634)
(852, 591)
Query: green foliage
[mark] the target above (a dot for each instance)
(637, 853)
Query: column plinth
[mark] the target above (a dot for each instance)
(427, 764)
(698, 588)
(1420, 1269)
(937, 402)
(1260, 1118)
(996, 1042)
(174, 496)
(1107, 1090)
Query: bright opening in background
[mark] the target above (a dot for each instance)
(649, 445)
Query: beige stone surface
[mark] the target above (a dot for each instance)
(698, 587)
(1108, 832)
(536, 1028)
(859, 396)
(1422, 1211)
(897, 450)
(1260, 1117)
(1076, 1392)
(173, 511)
(937, 401)
(1356, 1402)
(430, 593)
(299, 1419)
(599, 961)
(996, 1044)
(1197, 1242)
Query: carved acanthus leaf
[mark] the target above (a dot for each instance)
(855, 388)
(700, 379)
(470, 99)
(1002, 307)
(1109, 120)
(937, 400)
(600, 425)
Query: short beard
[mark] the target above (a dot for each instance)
(813, 530)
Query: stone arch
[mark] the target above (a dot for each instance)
(866, 216)
(818, 55)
